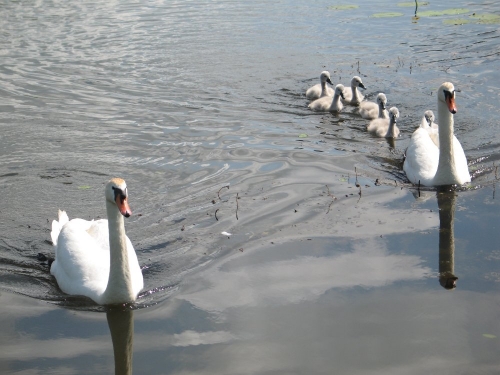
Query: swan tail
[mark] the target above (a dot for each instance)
(57, 226)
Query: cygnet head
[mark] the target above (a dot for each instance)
(116, 193)
(339, 90)
(446, 94)
(325, 77)
(356, 82)
(394, 113)
(381, 100)
(429, 117)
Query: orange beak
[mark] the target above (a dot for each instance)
(450, 101)
(123, 206)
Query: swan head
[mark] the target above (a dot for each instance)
(325, 77)
(393, 113)
(356, 82)
(446, 94)
(429, 117)
(339, 90)
(381, 100)
(116, 193)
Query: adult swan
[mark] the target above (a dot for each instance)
(95, 258)
(429, 164)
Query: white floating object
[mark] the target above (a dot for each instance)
(226, 234)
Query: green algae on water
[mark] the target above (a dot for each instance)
(486, 18)
(412, 4)
(387, 14)
(456, 21)
(489, 336)
(446, 12)
(343, 7)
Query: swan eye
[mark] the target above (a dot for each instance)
(448, 94)
(119, 193)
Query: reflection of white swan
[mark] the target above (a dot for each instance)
(121, 327)
(95, 258)
(429, 165)
(446, 203)
(385, 127)
(320, 89)
(352, 95)
(327, 103)
(371, 110)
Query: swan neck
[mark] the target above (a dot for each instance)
(382, 112)
(355, 94)
(335, 101)
(446, 173)
(390, 130)
(119, 288)
(323, 88)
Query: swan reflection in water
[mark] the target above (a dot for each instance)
(121, 326)
(446, 203)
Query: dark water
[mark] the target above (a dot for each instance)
(182, 99)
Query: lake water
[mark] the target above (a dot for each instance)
(335, 263)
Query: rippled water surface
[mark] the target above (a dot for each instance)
(335, 263)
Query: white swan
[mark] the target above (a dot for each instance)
(327, 103)
(352, 96)
(429, 164)
(95, 258)
(383, 127)
(371, 110)
(320, 89)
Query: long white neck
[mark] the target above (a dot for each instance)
(336, 105)
(323, 88)
(119, 289)
(382, 113)
(356, 97)
(391, 131)
(446, 173)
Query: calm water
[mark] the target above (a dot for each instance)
(183, 99)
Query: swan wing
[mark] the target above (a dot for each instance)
(460, 162)
(135, 269)
(314, 92)
(57, 226)
(422, 158)
(81, 265)
(321, 104)
(368, 110)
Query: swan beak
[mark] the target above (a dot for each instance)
(329, 81)
(450, 101)
(362, 86)
(123, 206)
(342, 95)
